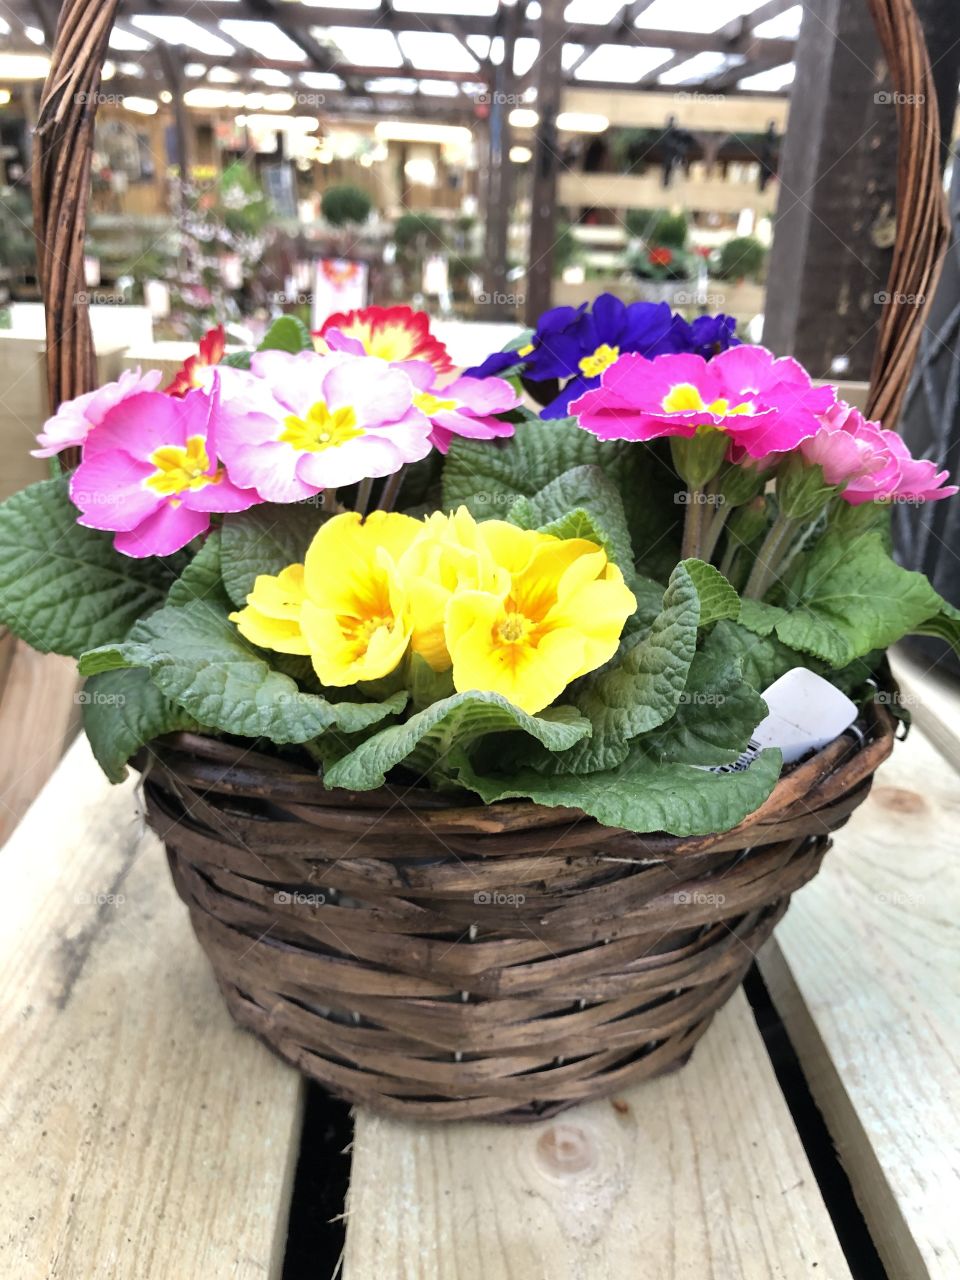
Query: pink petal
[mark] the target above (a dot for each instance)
(162, 533)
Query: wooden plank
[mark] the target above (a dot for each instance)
(39, 715)
(697, 1176)
(864, 972)
(144, 1135)
(932, 697)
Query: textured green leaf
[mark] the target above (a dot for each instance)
(197, 657)
(489, 477)
(847, 597)
(715, 717)
(944, 624)
(759, 617)
(562, 504)
(63, 588)
(718, 599)
(642, 795)
(122, 710)
(265, 539)
(440, 735)
(287, 334)
(640, 688)
(763, 658)
(201, 578)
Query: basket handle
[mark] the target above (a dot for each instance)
(923, 222)
(64, 148)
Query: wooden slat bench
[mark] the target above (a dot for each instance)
(146, 1138)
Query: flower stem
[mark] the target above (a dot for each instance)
(769, 556)
(364, 490)
(391, 490)
(692, 525)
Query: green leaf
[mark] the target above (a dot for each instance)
(287, 334)
(265, 539)
(644, 796)
(488, 478)
(718, 599)
(944, 624)
(640, 688)
(238, 360)
(716, 715)
(63, 588)
(441, 734)
(763, 658)
(122, 710)
(848, 596)
(201, 578)
(198, 658)
(759, 617)
(581, 497)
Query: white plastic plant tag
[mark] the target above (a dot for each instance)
(805, 713)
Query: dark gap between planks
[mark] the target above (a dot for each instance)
(848, 1222)
(317, 1229)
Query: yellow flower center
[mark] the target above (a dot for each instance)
(523, 352)
(686, 398)
(430, 404)
(359, 632)
(322, 428)
(180, 468)
(514, 629)
(593, 365)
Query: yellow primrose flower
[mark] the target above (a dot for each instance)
(355, 617)
(447, 557)
(561, 617)
(271, 618)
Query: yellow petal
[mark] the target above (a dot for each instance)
(280, 596)
(282, 635)
(339, 659)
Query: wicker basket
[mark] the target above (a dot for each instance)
(503, 961)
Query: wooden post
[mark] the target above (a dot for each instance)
(499, 187)
(546, 159)
(836, 216)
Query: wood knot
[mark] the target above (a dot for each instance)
(899, 799)
(566, 1148)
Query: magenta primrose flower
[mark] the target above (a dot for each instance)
(150, 473)
(75, 419)
(297, 424)
(871, 463)
(464, 407)
(762, 403)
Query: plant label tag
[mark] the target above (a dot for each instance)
(805, 713)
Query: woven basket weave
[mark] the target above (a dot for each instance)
(503, 961)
